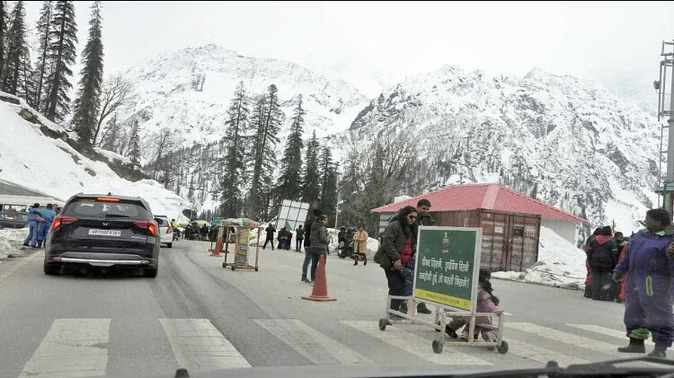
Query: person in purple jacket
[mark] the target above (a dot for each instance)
(648, 302)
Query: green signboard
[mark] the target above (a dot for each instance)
(216, 220)
(447, 266)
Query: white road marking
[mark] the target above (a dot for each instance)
(536, 353)
(414, 344)
(564, 337)
(604, 331)
(198, 345)
(315, 346)
(71, 348)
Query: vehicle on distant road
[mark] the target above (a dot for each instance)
(103, 231)
(165, 230)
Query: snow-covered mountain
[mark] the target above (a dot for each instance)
(189, 90)
(565, 141)
(41, 155)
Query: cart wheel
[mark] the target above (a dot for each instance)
(256, 269)
(233, 268)
(437, 346)
(382, 324)
(503, 348)
(224, 264)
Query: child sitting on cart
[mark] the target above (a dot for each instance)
(486, 302)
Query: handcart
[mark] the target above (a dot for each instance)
(242, 232)
(445, 277)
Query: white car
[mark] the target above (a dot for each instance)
(165, 230)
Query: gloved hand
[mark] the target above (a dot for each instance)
(616, 276)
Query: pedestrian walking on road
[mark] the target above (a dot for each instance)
(307, 243)
(360, 245)
(650, 267)
(270, 230)
(31, 239)
(319, 243)
(588, 276)
(398, 243)
(602, 254)
(299, 238)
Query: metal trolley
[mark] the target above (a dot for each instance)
(441, 316)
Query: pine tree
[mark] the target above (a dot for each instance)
(3, 33)
(18, 56)
(235, 147)
(328, 182)
(87, 104)
(61, 55)
(290, 181)
(267, 119)
(134, 144)
(42, 69)
(311, 189)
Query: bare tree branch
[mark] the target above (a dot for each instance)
(116, 93)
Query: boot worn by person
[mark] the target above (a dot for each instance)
(635, 346)
(422, 309)
(365, 260)
(658, 352)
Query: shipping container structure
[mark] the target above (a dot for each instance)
(510, 221)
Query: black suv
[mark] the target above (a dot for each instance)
(103, 231)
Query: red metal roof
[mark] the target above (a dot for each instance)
(484, 196)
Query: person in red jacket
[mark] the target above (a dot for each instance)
(588, 277)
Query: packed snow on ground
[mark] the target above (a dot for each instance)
(11, 240)
(31, 159)
(560, 263)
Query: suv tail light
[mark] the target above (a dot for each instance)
(149, 225)
(60, 219)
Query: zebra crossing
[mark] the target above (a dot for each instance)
(79, 347)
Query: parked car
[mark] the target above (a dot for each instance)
(165, 230)
(103, 231)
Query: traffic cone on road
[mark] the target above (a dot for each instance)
(320, 292)
(218, 247)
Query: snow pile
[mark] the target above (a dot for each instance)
(560, 263)
(34, 160)
(11, 240)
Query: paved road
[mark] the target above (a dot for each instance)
(196, 314)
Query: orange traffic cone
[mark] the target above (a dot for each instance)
(320, 292)
(218, 247)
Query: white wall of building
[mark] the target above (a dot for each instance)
(567, 230)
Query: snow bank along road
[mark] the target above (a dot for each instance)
(197, 315)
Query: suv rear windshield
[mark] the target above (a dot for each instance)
(93, 208)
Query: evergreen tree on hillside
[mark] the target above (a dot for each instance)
(235, 147)
(328, 181)
(109, 140)
(290, 181)
(42, 70)
(61, 55)
(18, 56)
(87, 104)
(311, 189)
(3, 33)
(267, 118)
(134, 144)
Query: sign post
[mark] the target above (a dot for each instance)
(447, 267)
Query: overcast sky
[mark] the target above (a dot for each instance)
(372, 43)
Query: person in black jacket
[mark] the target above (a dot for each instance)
(424, 219)
(270, 230)
(299, 238)
(397, 247)
(307, 243)
(602, 255)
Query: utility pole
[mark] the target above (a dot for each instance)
(666, 109)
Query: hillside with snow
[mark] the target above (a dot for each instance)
(188, 92)
(35, 153)
(561, 140)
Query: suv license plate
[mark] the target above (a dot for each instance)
(96, 232)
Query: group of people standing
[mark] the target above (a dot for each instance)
(604, 250)
(39, 221)
(285, 238)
